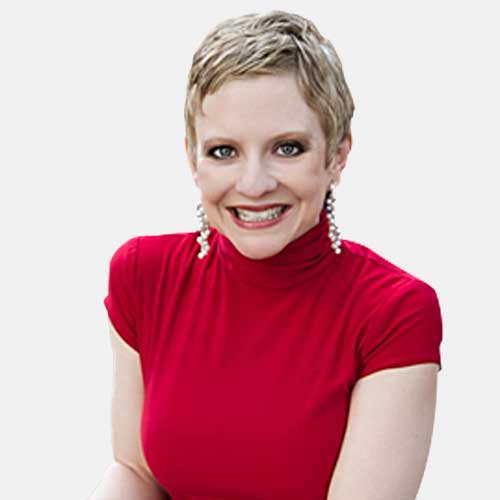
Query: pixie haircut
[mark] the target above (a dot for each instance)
(267, 44)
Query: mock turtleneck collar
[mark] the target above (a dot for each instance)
(302, 259)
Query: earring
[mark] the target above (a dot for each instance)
(333, 231)
(204, 231)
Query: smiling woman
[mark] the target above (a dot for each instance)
(263, 356)
(262, 119)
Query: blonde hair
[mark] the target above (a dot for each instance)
(267, 44)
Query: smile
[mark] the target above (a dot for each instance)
(257, 215)
(253, 219)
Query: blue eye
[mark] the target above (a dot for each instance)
(288, 147)
(291, 145)
(219, 148)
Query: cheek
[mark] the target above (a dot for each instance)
(306, 183)
(212, 184)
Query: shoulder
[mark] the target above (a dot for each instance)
(381, 280)
(152, 244)
(148, 251)
(158, 250)
(373, 260)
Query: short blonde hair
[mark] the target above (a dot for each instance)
(266, 44)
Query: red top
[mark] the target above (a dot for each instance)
(248, 365)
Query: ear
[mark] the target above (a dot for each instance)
(192, 166)
(340, 158)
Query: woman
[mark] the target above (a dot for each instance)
(264, 357)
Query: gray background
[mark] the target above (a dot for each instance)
(92, 153)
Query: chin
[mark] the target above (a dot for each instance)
(259, 250)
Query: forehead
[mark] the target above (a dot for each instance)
(256, 107)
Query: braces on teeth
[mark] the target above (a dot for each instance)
(269, 214)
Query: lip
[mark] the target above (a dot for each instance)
(259, 224)
(258, 208)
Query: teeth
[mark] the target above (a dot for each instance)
(250, 215)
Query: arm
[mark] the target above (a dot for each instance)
(122, 483)
(388, 435)
(129, 477)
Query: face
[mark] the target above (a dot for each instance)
(259, 144)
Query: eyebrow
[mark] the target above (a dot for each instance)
(282, 135)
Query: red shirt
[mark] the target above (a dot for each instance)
(248, 365)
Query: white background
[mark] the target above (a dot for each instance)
(92, 153)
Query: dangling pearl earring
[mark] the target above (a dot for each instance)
(333, 231)
(204, 231)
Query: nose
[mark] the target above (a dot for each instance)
(254, 179)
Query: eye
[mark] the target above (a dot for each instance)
(224, 149)
(288, 147)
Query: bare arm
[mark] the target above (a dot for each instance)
(129, 477)
(388, 435)
(121, 483)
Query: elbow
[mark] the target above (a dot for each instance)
(138, 471)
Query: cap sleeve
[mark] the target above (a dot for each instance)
(404, 330)
(121, 299)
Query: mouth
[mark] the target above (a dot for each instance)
(258, 217)
(246, 212)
